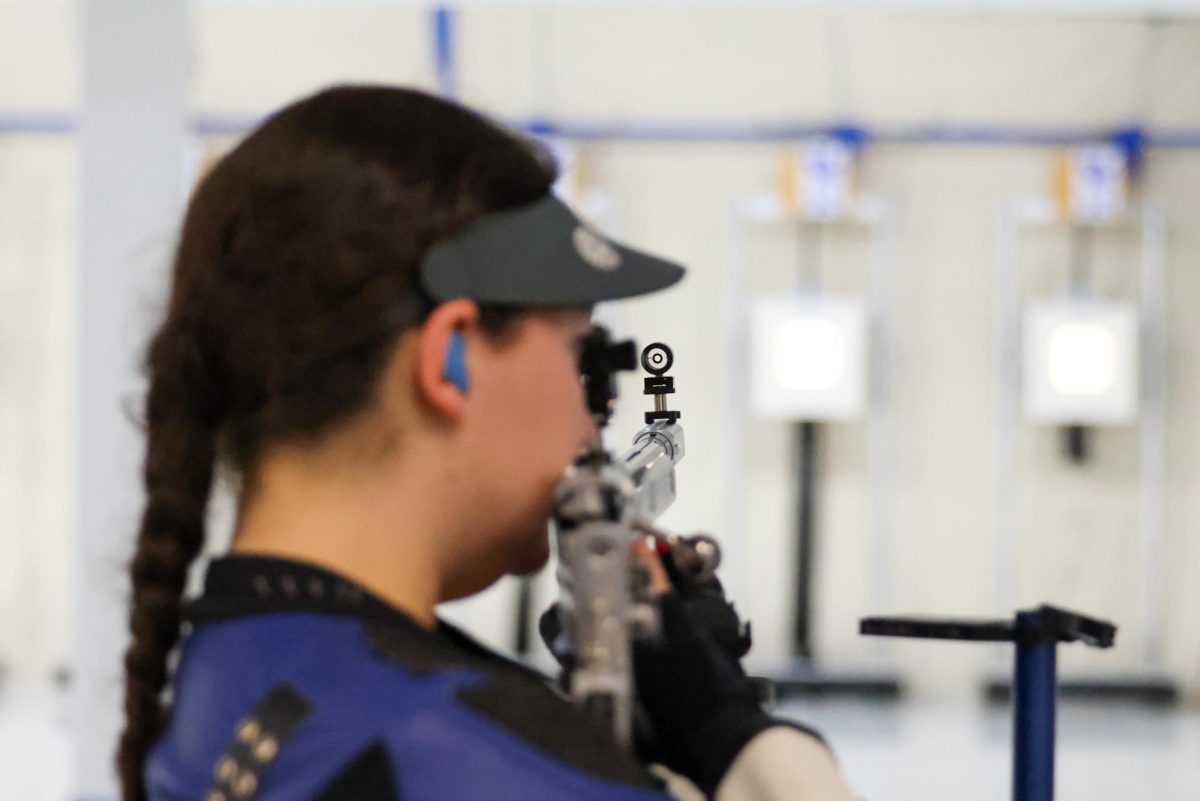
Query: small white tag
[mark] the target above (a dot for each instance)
(595, 250)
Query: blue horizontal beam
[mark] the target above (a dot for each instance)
(919, 134)
(700, 131)
(225, 125)
(37, 123)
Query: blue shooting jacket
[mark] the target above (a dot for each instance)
(295, 684)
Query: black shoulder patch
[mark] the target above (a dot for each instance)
(256, 742)
(516, 698)
(368, 778)
(536, 714)
(417, 651)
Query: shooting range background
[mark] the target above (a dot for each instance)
(705, 70)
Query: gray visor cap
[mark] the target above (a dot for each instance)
(540, 255)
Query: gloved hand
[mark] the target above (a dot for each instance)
(700, 706)
(707, 608)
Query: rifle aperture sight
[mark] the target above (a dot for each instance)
(657, 358)
(599, 362)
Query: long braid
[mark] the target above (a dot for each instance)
(178, 475)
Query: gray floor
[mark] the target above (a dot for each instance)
(35, 754)
(913, 751)
(908, 752)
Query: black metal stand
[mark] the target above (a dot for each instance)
(806, 481)
(1037, 633)
(806, 679)
(523, 618)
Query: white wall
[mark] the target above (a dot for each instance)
(38, 230)
(771, 64)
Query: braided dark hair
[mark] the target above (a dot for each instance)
(310, 228)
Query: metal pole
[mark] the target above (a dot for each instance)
(134, 134)
(734, 440)
(1005, 379)
(805, 573)
(1153, 436)
(445, 77)
(880, 417)
(522, 617)
(1033, 717)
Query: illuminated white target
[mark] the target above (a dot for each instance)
(808, 358)
(1081, 362)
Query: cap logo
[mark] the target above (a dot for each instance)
(595, 250)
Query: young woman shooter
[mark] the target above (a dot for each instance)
(374, 327)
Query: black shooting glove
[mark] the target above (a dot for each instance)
(702, 707)
(698, 707)
(708, 610)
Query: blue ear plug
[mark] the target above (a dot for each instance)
(456, 362)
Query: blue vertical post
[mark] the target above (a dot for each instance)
(443, 51)
(1033, 714)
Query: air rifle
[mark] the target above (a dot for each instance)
(603, 506)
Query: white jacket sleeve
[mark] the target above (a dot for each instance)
(783, 764)
(780, 764)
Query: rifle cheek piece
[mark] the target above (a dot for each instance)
(594, 490)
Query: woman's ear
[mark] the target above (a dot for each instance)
(442, 363)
